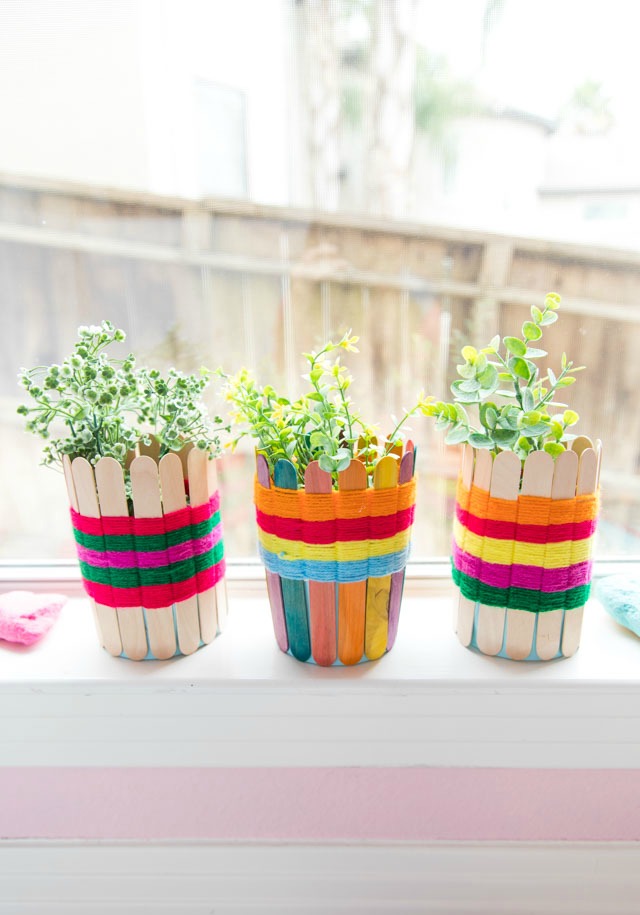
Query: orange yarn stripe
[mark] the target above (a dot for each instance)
(527, 509)
(296, 503)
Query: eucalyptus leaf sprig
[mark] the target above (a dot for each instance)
(321, 425)
(525, 422)
(93, 405)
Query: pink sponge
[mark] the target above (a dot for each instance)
(26, 617)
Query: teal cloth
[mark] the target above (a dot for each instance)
(620, 596)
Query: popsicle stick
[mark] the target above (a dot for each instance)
(199, 494)
(587, 482)
(505, 484)
(294, 597)
(580, 443)
(145, 494)
(174, 499)
(222, 604)
(397, 579)
(466, 608)
(84, 485)
(322, 594)
(274, 589)
(537, 479)
(376, 630)
(113, 503)
(352, 596)
(550, 623)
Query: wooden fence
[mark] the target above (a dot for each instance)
(235, 284)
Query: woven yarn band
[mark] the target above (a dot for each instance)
(533, 553)
(337, 536)
(150, 562)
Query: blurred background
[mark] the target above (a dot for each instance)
(232, 183)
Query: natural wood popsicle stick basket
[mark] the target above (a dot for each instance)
(523, 536)
(335, 559)
(155, 572)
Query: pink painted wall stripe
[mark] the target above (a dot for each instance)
(321, 804)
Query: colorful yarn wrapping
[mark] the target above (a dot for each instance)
(150, 562)
(338, 536)
(533, 553)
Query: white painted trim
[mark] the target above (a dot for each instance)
(241, 702)
(53, 878)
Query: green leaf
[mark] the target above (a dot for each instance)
(504, 376)
(457, 434)
(531, 418)
(536, 314)
(490, 418)
(488, 377)
(343, 463)
(493, 346)
(528, 400)
(531, 331)
(570, 417)
(533, 353)
(539, 429)
(549, 317)
(326, 463)
(552, 300)
(506, 393)
(552, 377)
(515, 346)
(469, 353)
(467, 370)
(554, 449)
(520, 368)
(566, 381)
(462, 414)
(480, 441)
(504, 437)
(470, 386)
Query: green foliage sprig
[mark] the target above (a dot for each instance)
(93, 405)
(525, 422)
(322, 425)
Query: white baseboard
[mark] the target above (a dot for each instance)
(53, 878)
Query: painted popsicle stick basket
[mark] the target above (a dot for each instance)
(522, 543)
(152, 564)
(335, 559)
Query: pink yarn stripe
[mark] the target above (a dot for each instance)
(172, 521)
(521, 576)
(149, 559)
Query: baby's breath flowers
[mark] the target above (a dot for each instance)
(322, 425)
(93, 405)
(526, 421)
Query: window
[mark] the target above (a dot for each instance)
(234, 182)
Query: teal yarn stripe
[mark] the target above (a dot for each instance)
(520, 598)
(123, 543)
(162, 575)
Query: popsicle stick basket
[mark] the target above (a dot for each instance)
(335, 559)
(522, 543)
(154, 572)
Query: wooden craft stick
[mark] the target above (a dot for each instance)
(200, 491)
(113, 503)
(376, 631)
(174, 499)
(145, 494)
(105, 618)
(294, 597)
(465, 613)
(550, 623)
(587, 482)
(397, 579)
(537, 480)
(322, 594)
(579, 444)
(274, 588)
(352, 596)
(505, 484)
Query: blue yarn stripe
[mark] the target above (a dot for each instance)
(317, 570)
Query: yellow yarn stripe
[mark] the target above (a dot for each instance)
(344, 551)
(506, 552)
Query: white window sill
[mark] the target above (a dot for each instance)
(241, 702)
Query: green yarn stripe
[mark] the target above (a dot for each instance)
(161, 575)
(123, 543)
(520, 598)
